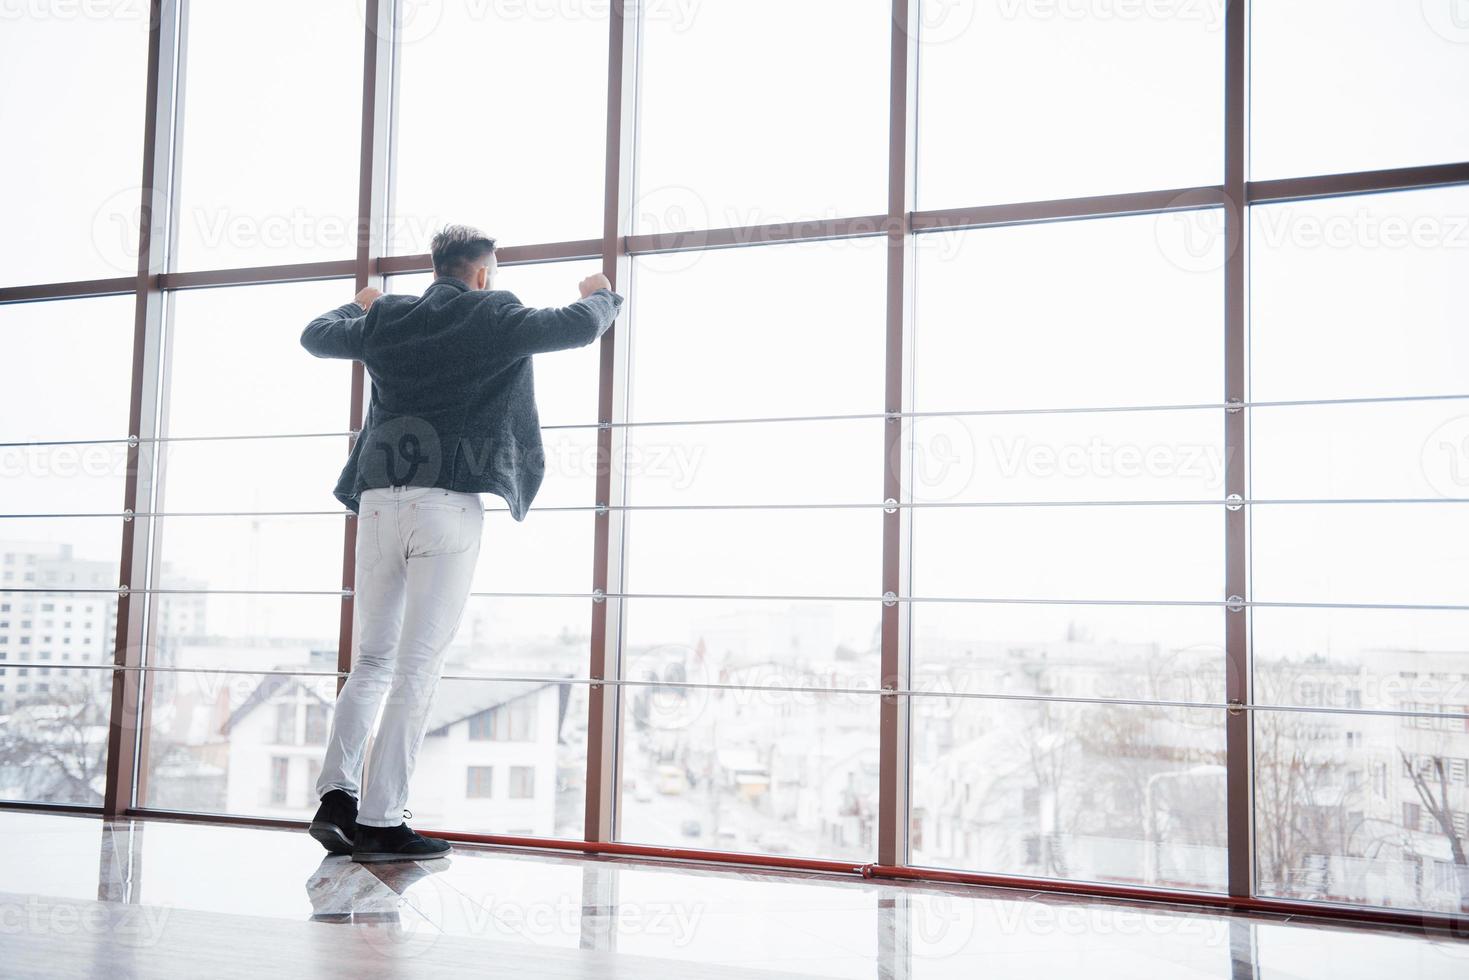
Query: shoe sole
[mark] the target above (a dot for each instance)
(384, 857)
(330, 837)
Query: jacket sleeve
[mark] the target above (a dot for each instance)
(523, 330)
(336, 333)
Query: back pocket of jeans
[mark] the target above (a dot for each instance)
(442, 529)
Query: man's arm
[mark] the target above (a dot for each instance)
(338, 333)
(528, 331)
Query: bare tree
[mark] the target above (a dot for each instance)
(1438, 808)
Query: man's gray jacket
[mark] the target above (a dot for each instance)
(453, 397)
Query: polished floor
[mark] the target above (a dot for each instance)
(81, 897)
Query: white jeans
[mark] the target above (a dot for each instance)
(416, 551)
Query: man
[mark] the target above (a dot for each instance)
(453, 415)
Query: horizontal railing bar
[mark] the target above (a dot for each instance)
(182, 438)
(1067, 209)
(860, 416)
(815, 689)
(340, 593)
(259, 275)
(871, 505)
(1362, 182)
(814, 229)
(65, 442)
(79, 289)
(506, 255)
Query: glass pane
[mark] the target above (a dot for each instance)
(760, 643)
(1141, 553)
(1359, 297)
(72, 95)
(65, 628)
(762, 552)
(238, 367)
(1338, 87)
(1362, 809)
(814, 347)
(60, 552)
(1360, 658)
(301, 473)
(550, 551)
(267, 177)
(762, 771)
(1158, 653)
(243, 744)
(538, 71)
(1097, 793)
(504, 757)
(778, 463)
(523, 637)
(243, 632)
(1392, 553)
(1115, 456)
(761, 111)
(251, 553)
(54, 747)
(1138, 323)
(1404, 449)
(68, 374)
(1036, 101)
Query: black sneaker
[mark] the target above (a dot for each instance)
(334, 821)
(375, 845)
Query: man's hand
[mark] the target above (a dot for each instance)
(367, 297)
(592, 283)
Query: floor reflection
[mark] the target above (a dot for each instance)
(806, 925)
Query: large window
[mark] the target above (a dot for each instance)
(966, 441)
(267, 176)
(480, 82)
(71, 197)
(744, 123)
(1025, 101)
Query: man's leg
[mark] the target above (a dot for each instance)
(443, 535)
(378, 599)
